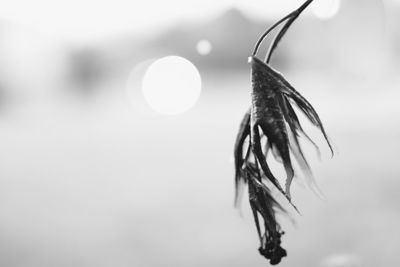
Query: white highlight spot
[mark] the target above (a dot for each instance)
(203, 47)
(171, 85)
(326, 9)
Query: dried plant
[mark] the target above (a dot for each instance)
(273, 118)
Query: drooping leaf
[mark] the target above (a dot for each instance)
(272, 124)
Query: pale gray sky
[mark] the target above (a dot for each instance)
(85, 20)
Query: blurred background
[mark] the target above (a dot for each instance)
(118, 119)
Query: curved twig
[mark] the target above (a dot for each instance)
(284, 29)
(292, 16)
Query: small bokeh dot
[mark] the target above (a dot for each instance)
(203, 47)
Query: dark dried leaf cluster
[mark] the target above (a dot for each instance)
(271, 117)
(271, 125)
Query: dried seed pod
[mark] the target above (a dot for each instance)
(267, 114)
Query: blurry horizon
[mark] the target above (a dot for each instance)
(226, 39)
(89, 21)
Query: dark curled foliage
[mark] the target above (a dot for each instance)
(263, 203)
(273, 118)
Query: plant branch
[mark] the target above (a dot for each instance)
(291, 18)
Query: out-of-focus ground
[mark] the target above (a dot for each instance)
(91, 176)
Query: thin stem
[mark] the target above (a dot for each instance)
(284, 29)
(262, 37)
(292, 16)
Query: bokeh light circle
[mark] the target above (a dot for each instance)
(203, 47)
(326, 9)
(171, 85)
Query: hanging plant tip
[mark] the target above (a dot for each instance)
(272, 125)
